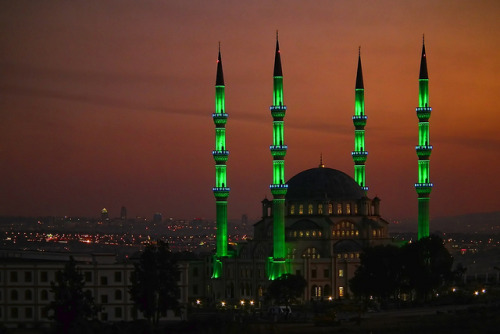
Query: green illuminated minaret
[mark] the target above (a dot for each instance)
(424, 149)
(277, 264)
(359, 154)
(220, 154)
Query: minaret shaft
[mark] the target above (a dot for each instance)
(424, 149)
(277, 265)
(220, 154)
(359, 155)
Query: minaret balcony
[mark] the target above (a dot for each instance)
(278, 112)
(278, 150)
(359, 156)
(423, 188)
(221, 192)
(220, 156)
(424, 151)
(359, 121)
(423, 113)
(220, 118)
(278, 189)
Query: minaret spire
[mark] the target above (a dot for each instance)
(424, 149)
(359, 155)
(220, 154)
(277, 265)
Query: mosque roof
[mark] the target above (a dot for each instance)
(323, 184)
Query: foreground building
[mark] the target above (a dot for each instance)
(25, 286)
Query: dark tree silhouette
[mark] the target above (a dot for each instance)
(379, 274)
(72, 306)
(427, 266)
(418, 269)
(286, 288)
(154, 282)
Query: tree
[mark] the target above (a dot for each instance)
(427, 266)
(72, 306)
(287, 288)
(418, 268)
(154, 282)
(379, 274)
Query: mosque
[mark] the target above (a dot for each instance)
(319, 221)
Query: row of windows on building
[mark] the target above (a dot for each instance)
(325, 291)
(15, 295)
(28, 313)
(343, 229)
(14, 277)
(340, 209)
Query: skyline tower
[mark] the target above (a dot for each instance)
(423, 149)
(359, 155)
(220, 154)
(277, 264)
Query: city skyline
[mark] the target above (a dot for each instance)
(110, 104)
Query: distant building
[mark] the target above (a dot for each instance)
(104, 214)
(157, 217)
(123, 213)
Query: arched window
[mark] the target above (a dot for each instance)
(301, 209)
(348, 209)
(292, 210)
(310, 209)
(44, 295)
(320, 209)
(339, 209)
(330, 208)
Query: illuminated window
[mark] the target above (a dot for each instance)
(307, 233)
(292, 210)
(341, 272)
(355, 209)
(341, 291)
(348, 209)
(313, 233)
(374, 233)
(310, 209)
(330, 209)
(295, 234)
(357, 232)
(320, 209)
(343, 233)
(301, 209)
(339, 209)
(301, 234)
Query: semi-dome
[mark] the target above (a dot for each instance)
(323, 183)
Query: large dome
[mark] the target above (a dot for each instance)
(323, 183)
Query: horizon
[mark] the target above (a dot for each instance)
(110, 104)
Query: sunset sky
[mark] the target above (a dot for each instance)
(109, 103)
